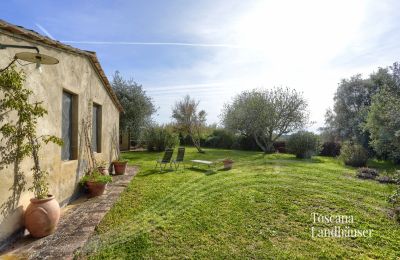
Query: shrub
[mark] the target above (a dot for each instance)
(353, 155)
(367, 173)
(243, 142)
(220, 138)
(95, 176)
(158, 138)
(387, 179)
(303, 144)
(330, 149)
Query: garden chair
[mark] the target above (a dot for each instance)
(179, 158)
(166, 159)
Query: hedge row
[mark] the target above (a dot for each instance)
(224, 139)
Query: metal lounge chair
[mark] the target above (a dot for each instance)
(179, 158)
(166, 159)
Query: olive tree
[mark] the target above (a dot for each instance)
(188, 121)
(137, 105)
(265, 115)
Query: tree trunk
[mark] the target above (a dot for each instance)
(266, 145)
(196, 144)
(270, 147)
(259, 143)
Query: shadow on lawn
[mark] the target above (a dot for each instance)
(206, 172)
(293, 160)
(156, 171)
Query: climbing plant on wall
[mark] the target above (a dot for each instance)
(18, 138)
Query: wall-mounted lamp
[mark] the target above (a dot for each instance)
(32, 57)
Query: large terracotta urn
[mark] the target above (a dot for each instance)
(42, 216)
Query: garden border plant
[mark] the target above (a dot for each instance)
(353, 154)
(303, 144)
(157, 137)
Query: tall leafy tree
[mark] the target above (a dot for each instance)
(137, 104)
(189, 121)
(383, 121)
(266, 115)
(352, 102)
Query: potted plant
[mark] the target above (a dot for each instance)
(228, 163)
(94, 179)
(102, 167)
(43, 213)
(119, 166)
(96, 182)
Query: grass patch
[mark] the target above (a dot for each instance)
(260, 209)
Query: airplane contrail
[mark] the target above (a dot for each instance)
(156, 43)
(186, 86)
(44, 31)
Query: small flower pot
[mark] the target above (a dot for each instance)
(119, 167)
(41, 216)
(103, 170)
(228, 164)
(95, 188)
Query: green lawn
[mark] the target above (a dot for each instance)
(260, 209)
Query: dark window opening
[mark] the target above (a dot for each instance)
(96, 128)
(69, 126)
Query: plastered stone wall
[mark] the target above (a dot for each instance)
(74, 74)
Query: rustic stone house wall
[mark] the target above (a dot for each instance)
(78, 73)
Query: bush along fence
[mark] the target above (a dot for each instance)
(223, 139)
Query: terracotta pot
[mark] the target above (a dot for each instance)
(103, 170)
(95, 188)
(120, 167)
(228, 165)
(42, 216)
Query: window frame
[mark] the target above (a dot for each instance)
(99, 126)
(73, 149)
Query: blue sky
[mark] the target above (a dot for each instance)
(213, 50)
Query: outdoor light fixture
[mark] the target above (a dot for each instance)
(31, 57)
